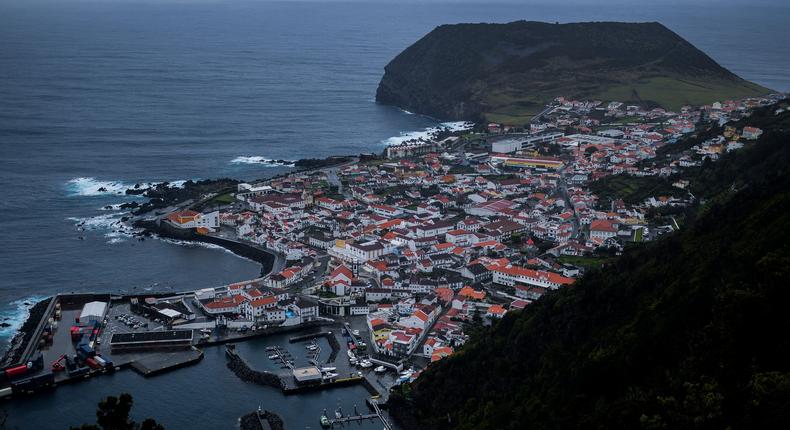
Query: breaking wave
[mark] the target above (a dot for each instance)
(110, 225)
(16, 314)
(268, 162)
(90, 186)
(427, 133)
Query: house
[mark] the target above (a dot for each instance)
(495, 311)
(386, 211)
(254, 309)
(307, 309)
(189, 219)
(476, 273)
(603, 229)
(513, 275)
(751, 133)
(401, 343)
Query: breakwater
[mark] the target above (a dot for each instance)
(264, 257)
(246, 373)
(261, 420)
(23, 337)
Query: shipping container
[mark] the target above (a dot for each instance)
(92, 363)
(16, 371)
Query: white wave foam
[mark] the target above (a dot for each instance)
(114, 229)
(94, 187)
(17, 315)
(426, 134)
(90, 186)
(268, 162)
(113, 207)
(193, 244)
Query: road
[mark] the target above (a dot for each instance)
(331, 174)
(563, 187)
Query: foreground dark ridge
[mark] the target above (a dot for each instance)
(507, 72)
(689, 332)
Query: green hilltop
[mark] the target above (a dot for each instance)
(508, 72)
(687, 332)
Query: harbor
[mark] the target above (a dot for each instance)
(69, 350)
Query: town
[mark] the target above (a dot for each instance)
(461, 228)
(389, 261)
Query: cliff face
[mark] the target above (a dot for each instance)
(509, 71)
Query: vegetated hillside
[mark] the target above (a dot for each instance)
(687, 332)
(731, 172)
(507, 72)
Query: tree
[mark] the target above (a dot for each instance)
(112, 413)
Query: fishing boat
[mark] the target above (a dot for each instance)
(325, 423)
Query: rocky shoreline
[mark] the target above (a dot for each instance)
(252, 421)
(24, 334)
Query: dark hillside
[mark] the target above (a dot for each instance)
(688, 332)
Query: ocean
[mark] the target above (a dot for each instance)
(97, 96)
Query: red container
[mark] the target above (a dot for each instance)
(92, 363)
(16, 371)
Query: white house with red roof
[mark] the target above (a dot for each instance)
(187, 219)
(513, 275)
(603, 228)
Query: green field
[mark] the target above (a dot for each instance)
(585, 262)
(672, 94)
(632, 189)
(517, 106)
(223, 199)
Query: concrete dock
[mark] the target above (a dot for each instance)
(150, 364)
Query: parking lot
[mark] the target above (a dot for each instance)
(120, 319)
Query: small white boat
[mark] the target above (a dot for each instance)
(365, 364)
(355, 332)
(380, 369)
(274, 357)
(330, 375)
(328, 369)
(351, 354)
(311, 347)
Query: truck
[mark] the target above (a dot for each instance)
(84, 351)
(105, 362)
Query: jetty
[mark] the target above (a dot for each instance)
(331, 422)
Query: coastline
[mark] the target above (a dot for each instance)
(24, 333)
(266, 258)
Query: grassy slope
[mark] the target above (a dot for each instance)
(517, 107)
